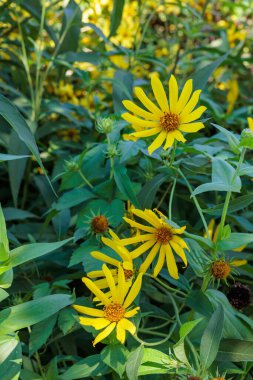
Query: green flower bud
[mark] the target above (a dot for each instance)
(104, 125)
(247, 139)
(71, 166)
(112, 151)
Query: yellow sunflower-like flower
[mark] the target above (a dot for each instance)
(125, 262)
(160, 237)
(250, 122)
(169, 119)
(115, 312)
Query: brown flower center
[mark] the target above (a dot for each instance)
(163, 235)
(169, 121)
(128, 274)
(220, 269)
(114, 312)
(99, 224)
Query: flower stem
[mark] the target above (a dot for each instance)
(171, 198)
(155, 343)
(85, 179)
(228, 195)
(196, 202)
(166, 286)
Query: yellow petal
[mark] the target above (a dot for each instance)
(89, 311)
(102, 257)
(97, 323)
(171, 263)
(173, 94)
(120, 333)
(128, 325)
(147, 215)
(146, 132)
(134, 291)
(142, 248)
(107, 331)
(152, 254)
(178, 230)
(95, 290)
(159, 93)
(157, 142)
(160, 261)
(239, 263)
(180, 242)
(191, 127)
(250, 122)
(240, 249)
(179, 137)
(147, 102)
(193, 116)
(169, 140)
(185, 95)
(140, 226)
(191, 104)
(130, 106)
(137, 239)
(117, 247)
(139, 122)
(179, 251)
(132, 313)
(101, 283)
(95, 274)
(122, 286)
(111, 283)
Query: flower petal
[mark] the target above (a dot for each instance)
(97, 323)
(146, 132)
(192, 103)
(95, 273)
(152, 254)
(130, 106)
(132, 313)
(192, 116)
(160, 261)
(179, 251)
(111, 283)
(142, 248)
(169, 140)
(180, 242)
(137, 239)
(122, 286)
(159, 93)
(171, 263)
(120, 333)
(95, 290)
(107, 331)
(250, 122)
(173, 91)
(178, 230)
(185, 95)
(102, 257)
(134, 291)
(89, 311)
(191, 127)
(157, 142)
(147, 102)
(139, 122)
(140, 226)
(117, 247)
(147, 215)
(128, 325)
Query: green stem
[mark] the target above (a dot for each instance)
(85, 179)
(155, 343)
(166, 286)
(173, 153)
(228, 195)
(171, 198)
(196, 202)
(111, 158)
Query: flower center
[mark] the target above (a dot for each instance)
(114, 312)
(163, 235)
(169, 121)
(128, 274)
(99, 224)
(220, 269)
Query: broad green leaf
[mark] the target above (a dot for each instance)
(40, 333)
(124, 185)
(115, 356)
(91, 366)
(10, 357)
(148, 192)
(236, 204)
(211, 338)
(233, 140)
(235, 350)
(201, 77)
(66, 320)
(29, 252)
(199, 302)
(116, 16)
(27, 314)
(133, 363)
(235, 240)
(73, 198)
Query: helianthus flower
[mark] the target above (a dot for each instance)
(161, 237)
(250, 122)
(125, 262)
(168, 119)
(115, 312)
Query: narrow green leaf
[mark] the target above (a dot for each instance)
(211, 338)
(40, 333)
(91, 366)
(187, 327)
(148, 192)
(235, 350)
(4, 247)
(71, 25)
(124, 185)
(116, 15)
(133, 363)
(10, 157)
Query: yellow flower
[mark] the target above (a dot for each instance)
(125, 262)
(170, 118)
(232, 95)
(71, 134)
(115, 312)
(162, 238)
(250, 122)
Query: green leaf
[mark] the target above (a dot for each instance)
(66, 320)
(122, 86)
(226, 232)
(233, 140)
(12, 213)
(17, 317)
(236, 204)
(148, 192)
(187, 327)
(10, 357)
(13, 117)
(124, 185)
(116, 15)
(10, 157)
(4, 243)
(201, 76)
(73, 198)
(40, 333)
(235, 240)
(115, 356)
(29, 252)
(3, 295)
(71, 25)
(89, 367)
(235, 350)
(133, 363)
(211, 338)
(6, 279)
(222, 178)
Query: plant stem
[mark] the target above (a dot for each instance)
(173, 153)
(196, 202)
(166, 286)
(155, 343)
(171, 198)
(111, 158)
(228, 195)
(85, 179)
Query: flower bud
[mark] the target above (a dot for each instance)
(104, 125)
(247, 138)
